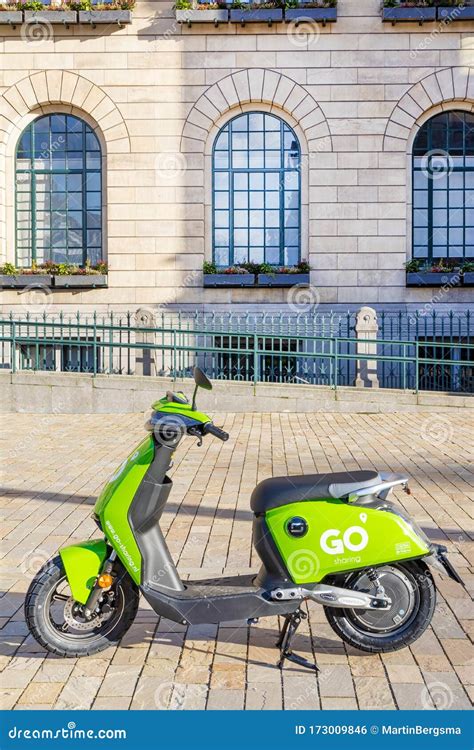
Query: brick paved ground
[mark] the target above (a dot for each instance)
(55, 465)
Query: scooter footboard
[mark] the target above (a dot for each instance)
(82, 563)
(235, 598)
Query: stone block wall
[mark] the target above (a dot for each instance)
(355, 91)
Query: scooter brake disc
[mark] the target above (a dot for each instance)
(82, 625)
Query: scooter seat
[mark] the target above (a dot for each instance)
(278, 491)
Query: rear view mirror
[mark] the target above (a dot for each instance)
(201, 379)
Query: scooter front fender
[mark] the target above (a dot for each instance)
(82, 563)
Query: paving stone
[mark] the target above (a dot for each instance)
(373, 693)
(41, 692)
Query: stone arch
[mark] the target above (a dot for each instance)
(255, 86)
(435, 90)
(41, 90)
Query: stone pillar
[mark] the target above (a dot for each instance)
(366, 328)
(145, 358)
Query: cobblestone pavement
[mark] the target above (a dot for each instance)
(54, 468)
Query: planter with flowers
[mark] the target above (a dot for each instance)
(415, 11)
(456, 10)
(425, 273)
(232, 276)
(299, 11)
(284, 275)
(19, 278)
(67, 275)
(55, 275)
(268, 12)
(9, 14)
(116, 11)
(38, 12)
(187, 12)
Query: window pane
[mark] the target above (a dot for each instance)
(447, 195)
(256, 199)
(57, 142)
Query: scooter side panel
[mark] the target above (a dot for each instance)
(113, 504)
(82, 563)
(340, 537)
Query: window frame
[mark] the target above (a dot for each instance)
(464, 169)
(231, 171)
(84, 171)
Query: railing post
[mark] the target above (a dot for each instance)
(417, 367)
(255, 358)
(145, 358)
(13, 345)
(366, 328)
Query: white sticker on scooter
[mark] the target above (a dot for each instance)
(334, 546)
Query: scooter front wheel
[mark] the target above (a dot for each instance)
(411, 588)
(57, 621)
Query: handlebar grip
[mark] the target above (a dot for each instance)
(211, 429)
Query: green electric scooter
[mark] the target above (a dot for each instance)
(331, 538)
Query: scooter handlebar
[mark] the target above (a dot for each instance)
(211, 429)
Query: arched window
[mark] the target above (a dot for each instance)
(58, 192)
(256, 192)
(443, 187)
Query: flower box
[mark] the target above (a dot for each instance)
(22, 280)
(51, 16)
(228, 279)
(77, 281)
(105, 16)
(283, 279)
(456, 13)
(256, 15)
(468, 278)
(12, 17)
(409, 14)
(194, 15)
(299, 15)
(431, 278)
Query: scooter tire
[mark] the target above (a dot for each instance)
(39, 622)
(344, 624)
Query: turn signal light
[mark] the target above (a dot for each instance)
(105, 581)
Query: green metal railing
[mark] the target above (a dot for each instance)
(258, 355)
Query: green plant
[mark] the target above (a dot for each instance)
(100, 267)
(468, 266)
(8, 269)
(183, 5)
(30, 5)
(414, 265)
(79, 5)
(209, 268)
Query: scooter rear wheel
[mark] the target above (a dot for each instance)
(56, 621)
(411, 588)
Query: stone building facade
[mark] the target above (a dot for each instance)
(354, 93)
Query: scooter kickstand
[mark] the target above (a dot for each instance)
(288, 631)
